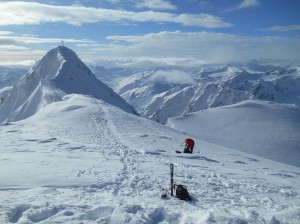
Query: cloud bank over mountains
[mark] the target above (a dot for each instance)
(204, 46)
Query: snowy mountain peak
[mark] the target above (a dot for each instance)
(49, 66)
(58, 73)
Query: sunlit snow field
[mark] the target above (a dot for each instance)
(82, 160)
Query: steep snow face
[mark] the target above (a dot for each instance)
(265, 129)
(58, 73)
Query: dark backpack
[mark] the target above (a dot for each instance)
(182, 192)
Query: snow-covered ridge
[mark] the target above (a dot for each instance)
(58, 73)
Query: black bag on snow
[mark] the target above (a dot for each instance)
(182, 192)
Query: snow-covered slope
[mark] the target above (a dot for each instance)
(81, 160)
(265, 129)
(58, 73)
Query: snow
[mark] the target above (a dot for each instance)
(82, 160)
(73, 151)
(266, 129)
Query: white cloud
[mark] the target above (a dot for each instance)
(282, 28)
(205, 46)
(156, 4)
(76, 3)
(113, 1)
(29, 13)
(25, 39)
(243, 5)
(26, 64)
(12, 47)
(23, 58)
(147, 62)
(20, 49)
(177, 43)
(169, 48)
(247, 4)
(172, 77)
(5, 33)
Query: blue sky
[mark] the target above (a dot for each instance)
(131, 30)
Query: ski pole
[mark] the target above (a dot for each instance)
(172, 174)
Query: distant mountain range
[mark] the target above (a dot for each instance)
(156, 95)
(163, 92)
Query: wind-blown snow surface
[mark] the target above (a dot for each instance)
(81, 160)
(266, 129)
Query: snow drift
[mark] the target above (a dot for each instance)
(58, 73)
